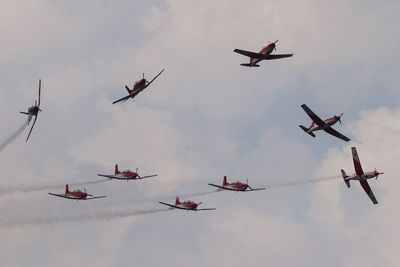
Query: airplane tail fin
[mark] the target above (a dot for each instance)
(66, 189)
(249, 65)
(306, 130)
(225, 182)
(116, 169)
(127, 89)
(344, 178)
(177, 202)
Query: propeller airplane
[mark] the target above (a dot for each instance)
(186, 205)
(33, 111)
(236, 186)
(264, 54)
(76, 195)
(137, 88)
(361, 176)
(319, 124)
(125, 175)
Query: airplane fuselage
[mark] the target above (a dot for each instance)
(329, 122)
(237, 186)
(77, 194)
(265, 51)
(128, 175)
(365, 176)
(189, 205)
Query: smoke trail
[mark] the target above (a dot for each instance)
(310, 181)
(78, 218)
(45, 187)
(15, 134)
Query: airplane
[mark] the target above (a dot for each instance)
(186, 205)
(361, 176)
(137, 88)
(319, 124)
(77, 195)
(236, 186)
(264, 54)
(33, 111)
(126, 175)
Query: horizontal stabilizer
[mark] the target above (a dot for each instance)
(249, 65)
(306, 130)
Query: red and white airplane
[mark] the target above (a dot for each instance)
(33, 111)
(126, 175)
(319, 124)
(264, 54)
(76, 195)
(235, 186)
(361, 176)
(186, 205)
(137, 88)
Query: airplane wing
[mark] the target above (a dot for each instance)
(368, 190)
(171, 206)
(153, 79)
(30, 131)
(93, 198)
(75, 198)
(313, 116)
(122, 99)
(205, 209)
(335, 133)
(269, 57)
(220, 187)
(248, 53)
(62, 195)
(110, 176)
(148, 176)
(356, 161)
(255, 189)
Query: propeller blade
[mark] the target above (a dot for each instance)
(198, 204)
(40, 86)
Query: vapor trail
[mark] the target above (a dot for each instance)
(78, 218)
(15, 134)
(310, 181)
(44, 187)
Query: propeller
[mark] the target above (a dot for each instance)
(338, 118)
(247, 182)
(198, 204)
(84, 189)
(377, 174)
(137, 169)
(274, 43)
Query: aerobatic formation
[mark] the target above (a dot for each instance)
(188, 205)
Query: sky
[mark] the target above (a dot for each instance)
(204, 117)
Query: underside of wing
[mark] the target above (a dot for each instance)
(148, 176)
(62, 195)
(368, 190)
(220, 187)
(154, 78)
(170, 205)
(313, 116)
(122, 99)
(256, 189)
(111, 176)
(248, 53)
(89, 198)
(30, 131)
(269, 57)
(206, 209)
(335, 133)
(356, 161)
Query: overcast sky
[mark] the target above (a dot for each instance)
(204, 117)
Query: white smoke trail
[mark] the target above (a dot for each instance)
(44, 187)
(78, 218)
(310, 181)
(15, 134)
